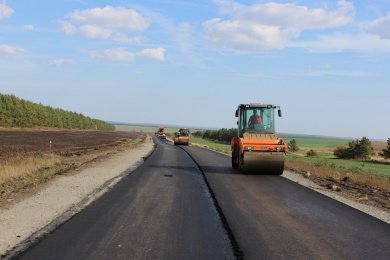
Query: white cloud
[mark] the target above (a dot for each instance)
(9, 51)
(94, 32)
(68, 28)
(28, 27)
(118, 54)
(380, 27)
(61, 62)
(297, 17)
(5, 11)
(126, 39)
(123, 55)
(102, 23)
(152, 54)
(272, 25)
(247, 36)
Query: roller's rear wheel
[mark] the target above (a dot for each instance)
(234, 161)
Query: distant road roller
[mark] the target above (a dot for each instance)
(257, 149)
(182, 137)
(160, 133)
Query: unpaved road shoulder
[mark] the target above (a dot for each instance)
(35, 216)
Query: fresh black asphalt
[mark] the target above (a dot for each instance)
(165, 210)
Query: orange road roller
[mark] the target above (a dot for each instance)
(182, 137)
(257, 149)
(160, 133)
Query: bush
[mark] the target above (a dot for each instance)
(293, 146)
(357, 149)
(311, 153)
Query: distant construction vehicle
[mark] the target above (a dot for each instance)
(257, 149)
(160, 133)
(182, 137)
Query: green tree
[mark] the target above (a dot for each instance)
(386, 152)
(16, 112)
(364, 149)
(293, 146)
(357, 149)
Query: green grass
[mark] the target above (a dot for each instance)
(314, 142)
(354, 166)
(324, 146)
(211, 144)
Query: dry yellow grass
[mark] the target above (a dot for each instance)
(21, 165)
(21, 171)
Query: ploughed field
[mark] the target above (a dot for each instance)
(30, 141)
(29, 158)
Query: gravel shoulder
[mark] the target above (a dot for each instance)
(24, 222)
(370, 210)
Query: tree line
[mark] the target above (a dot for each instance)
(16, 112)
(223, 135)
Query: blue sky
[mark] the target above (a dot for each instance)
(190, 63)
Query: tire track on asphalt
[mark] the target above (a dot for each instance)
(238, 253)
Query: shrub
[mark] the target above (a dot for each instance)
(311, 153)
(357, 149)
(293, 146)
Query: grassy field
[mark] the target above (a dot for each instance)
(316, 141)
(221, 147)
(324, 147)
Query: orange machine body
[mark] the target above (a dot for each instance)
(160, 133)
(257, 149)
(182, 137)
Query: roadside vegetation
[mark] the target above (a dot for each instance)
(19, 113)
(365, 164)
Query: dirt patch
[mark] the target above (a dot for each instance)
(347, 188)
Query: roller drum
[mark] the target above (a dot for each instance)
(271, 163)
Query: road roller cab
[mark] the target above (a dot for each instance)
(256, 148)
(182, 137)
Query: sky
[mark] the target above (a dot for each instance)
(191, 63)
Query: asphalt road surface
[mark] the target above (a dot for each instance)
(187, 203)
